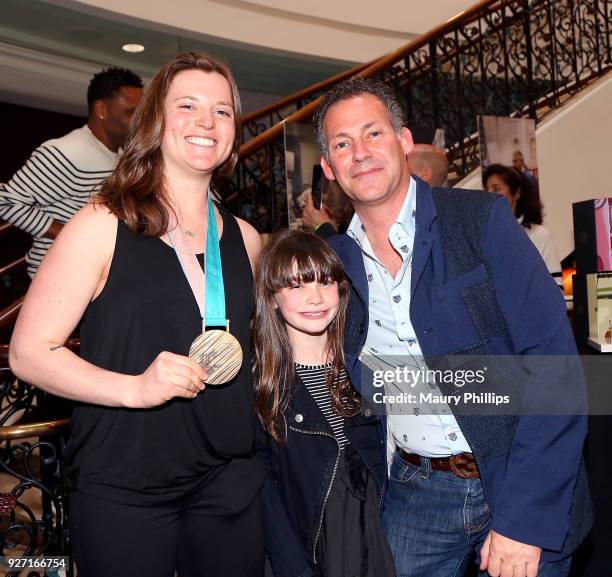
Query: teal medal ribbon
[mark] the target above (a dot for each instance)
(217, 351)
(207, 285)
(215, 289)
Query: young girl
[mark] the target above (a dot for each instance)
(325, 463)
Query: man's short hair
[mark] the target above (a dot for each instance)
(357, 86)
(105, 85)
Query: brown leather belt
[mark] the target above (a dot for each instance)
(462, 465)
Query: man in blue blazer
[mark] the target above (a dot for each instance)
(427, 281)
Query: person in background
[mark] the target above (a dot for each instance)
(526, 206)
(160, 463)
(323, 494)
(63, 173)
(518, 162)
(429, 163)
(333, 216)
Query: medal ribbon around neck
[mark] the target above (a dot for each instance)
(217, 351)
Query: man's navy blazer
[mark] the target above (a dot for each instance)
(534, 481)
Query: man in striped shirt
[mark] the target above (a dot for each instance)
(61, 174)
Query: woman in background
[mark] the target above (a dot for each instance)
(525, 203)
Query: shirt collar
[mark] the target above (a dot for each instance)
(405, 218)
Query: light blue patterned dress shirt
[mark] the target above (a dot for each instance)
(427, 429)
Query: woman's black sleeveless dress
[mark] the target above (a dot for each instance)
(154, 456)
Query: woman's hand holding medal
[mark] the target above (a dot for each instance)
(168, 376)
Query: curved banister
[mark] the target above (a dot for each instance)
(365, 70)
(41, 429)
(511, 58)
(467, 16)
(6, 227)
(275, 131)
(12, 265)
(8, 315)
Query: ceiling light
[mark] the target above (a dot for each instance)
(133, 48)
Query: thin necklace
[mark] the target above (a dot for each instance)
(192, 233)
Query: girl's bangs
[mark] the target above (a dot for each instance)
(301, 264)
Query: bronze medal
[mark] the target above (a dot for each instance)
(219, 353)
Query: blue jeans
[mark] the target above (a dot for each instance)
(435, 521)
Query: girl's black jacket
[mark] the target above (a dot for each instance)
(300, 474)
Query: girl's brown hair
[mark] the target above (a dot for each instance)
(290, 257)
(136, 191)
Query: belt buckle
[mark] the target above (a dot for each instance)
(463, 466)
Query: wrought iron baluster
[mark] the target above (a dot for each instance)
(606, 17)
(408, 92)
(460, 100)
(596, 34)
(529, 55)
(504, 37)
(435, 83)
(483, 68)
(552, 51)
(36, 469)
(574, 45)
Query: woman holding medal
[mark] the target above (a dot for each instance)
(160, 457)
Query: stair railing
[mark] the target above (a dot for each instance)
(499, 57)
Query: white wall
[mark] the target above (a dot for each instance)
(348, 30)
(574, 159)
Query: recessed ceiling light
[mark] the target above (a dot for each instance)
(133, 48)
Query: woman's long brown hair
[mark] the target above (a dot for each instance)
(136, 191)
(290, 257)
